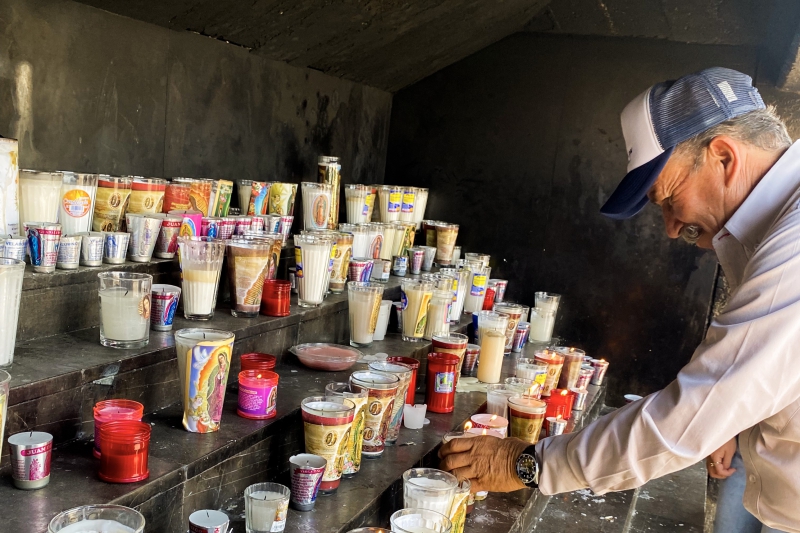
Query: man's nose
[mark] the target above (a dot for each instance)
(672, 224)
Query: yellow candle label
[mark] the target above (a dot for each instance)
(458, 512)
(352, 457)
(329, 442)
(422, 315)
(281, 198)
(527, 429)
(109, 204)
(394, 202)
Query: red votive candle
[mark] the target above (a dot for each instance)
(275, 297)
(257, 361)
(258, 392)
(559, 404)
(441, 390)
(111, 410)
(126, 445)
(412, 385)
(488, 299)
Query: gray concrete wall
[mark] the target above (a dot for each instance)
(87, 90)
(521, 144)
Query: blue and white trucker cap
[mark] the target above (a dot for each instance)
(669, 113)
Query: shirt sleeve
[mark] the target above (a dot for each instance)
(743, 373)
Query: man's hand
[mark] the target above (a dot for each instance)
(487, 462)
(719, 462)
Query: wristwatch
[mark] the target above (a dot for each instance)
(527, 468)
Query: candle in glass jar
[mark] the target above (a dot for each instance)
(490, 364)
(121, 316)
(497, 399)
(96, 526)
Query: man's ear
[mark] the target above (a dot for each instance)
(725, 156)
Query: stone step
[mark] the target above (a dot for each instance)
(57, 380)
(67, 301)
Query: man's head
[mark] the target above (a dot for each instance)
(696, 147)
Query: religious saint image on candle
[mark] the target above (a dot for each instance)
(208, 376)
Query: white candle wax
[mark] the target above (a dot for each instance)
(199, 291)
(262, 507)
(96, 526)
(493, 344)
(10, 292)
(209, 519)
(120, 316)
(542, 322)
(422, 494)
(361, 242)
(361, 308)
(76, 207)
(39, 199)
(311, 285)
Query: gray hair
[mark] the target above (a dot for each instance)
(762, 128)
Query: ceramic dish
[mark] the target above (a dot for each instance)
(325, 356)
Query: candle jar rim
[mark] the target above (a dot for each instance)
(5, 377)
(42, 175)
(345, 411)
(251, 244)
(136, 407)
(336, 390)
(444, 358)
(120, 275)
(7, 263)
(365, 286)
(409, 361)
(426, 514)
(266, 375)
(318, 461)
(397, 367)
(268, 486)
(528, 402)
(416, 473)
(124, 432)
(365, 378)
(316, 185)
(131, 518)
(220, 334)
(450, 336)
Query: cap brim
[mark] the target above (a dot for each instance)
(630, 196)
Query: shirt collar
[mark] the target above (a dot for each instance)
(759, 210)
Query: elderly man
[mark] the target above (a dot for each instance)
(722, 168)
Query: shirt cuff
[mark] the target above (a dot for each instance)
(555, 474)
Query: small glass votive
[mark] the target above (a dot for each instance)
(429, 488)
(580, 395)
(521, 385)
(115, 248)
(126, 446)
(428, 257)
(258, 394)
(489, 421)
(414, 415)
(306, 471)
(164, 300)
(600, 368)
(419, 520)
(208, 521)
(265, 504)
(112, 517)
(526, 416)
(555, 426)
(276, 297)
(124, 309)
(110, 411)
(497, 396)
(31, 452)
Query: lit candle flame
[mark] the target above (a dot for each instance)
(258, 376)
(492, 419)
(564, 392)
(558, 417)
(602, 360)
(484, 432)
(467, 426)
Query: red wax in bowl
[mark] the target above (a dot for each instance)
(257, 361)
(110, 410)
(441, 384)
(412, 385)
(258, 394)
(275, 297)
(126, 445)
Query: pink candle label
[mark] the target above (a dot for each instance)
(31, 464)
(258, 401)
(444, 382)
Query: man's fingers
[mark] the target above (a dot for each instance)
(463, 473)
(725, 461)
(722, 471)
(455, 446)
(476, 486)
(454, 461)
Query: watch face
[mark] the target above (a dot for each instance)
(526, 468)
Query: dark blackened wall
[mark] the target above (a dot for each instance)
(86, 90)
(521, 144)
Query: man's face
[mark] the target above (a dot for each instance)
(691, 197)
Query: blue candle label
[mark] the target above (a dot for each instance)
(395, 198)
(298, 261)
(444, 382)
(408, 202)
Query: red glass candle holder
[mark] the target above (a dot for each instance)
(111, 410)
(257, 361)
(441, 384)
(559, 404)
(412, 385)
(126, 445)
(488, 299)
(258, 394)
(275, 297)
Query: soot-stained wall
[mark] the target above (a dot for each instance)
(86, 90)
(521, 144)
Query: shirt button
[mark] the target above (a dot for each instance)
(752, 478)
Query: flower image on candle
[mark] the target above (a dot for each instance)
(11, 274)
(266, 506)
(201, 264)
(390, 198)
(381, 390)
(312, 260)
(554, 363)
(429, 488)
(327, 424)
(491, 362)
(98, 518)
(317, 198)
(306, 471)
(204, 361)
(364, 301)
(77, 202)
(30, 459)
(39, 196)
(355, 442)
(415, 296)
(526, 416)
(124, 309)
